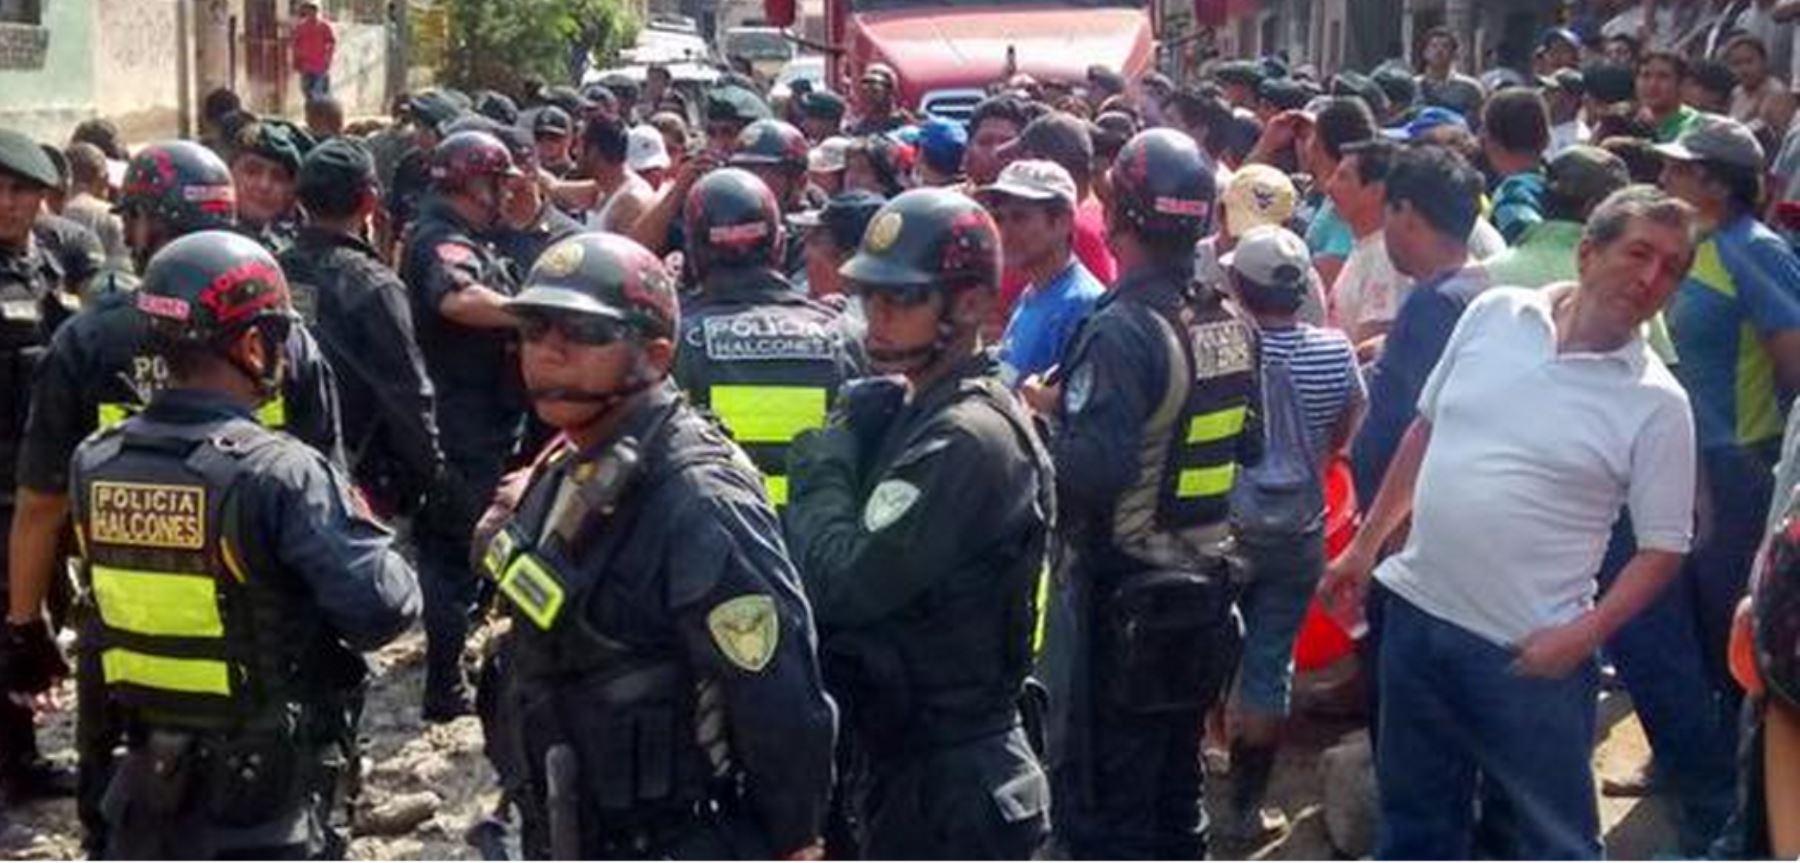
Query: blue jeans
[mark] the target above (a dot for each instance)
(1283, 577)
(1456, 721)
(1690, 727)
(315, 86)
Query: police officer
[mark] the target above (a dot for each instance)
(426, 113)
(358, 310)
(764, 357)
(919, 517)
(35, 296)
(663, 694)
(100, 368)
(459, 288)
(265, 167)
(1156, 410)
(236, 575)
(776, 153)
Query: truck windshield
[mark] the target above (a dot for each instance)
(873, 5)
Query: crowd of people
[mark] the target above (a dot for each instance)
(853, 482)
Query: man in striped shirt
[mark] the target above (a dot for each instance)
(1269, 273)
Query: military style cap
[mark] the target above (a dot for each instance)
(1397, 82)
(275, 140)
(823, 105)
(732, 103)
(433, 109)
(338, 162)
(1283, 94)
(1246, 72)
(23, 158)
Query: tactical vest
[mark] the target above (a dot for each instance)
(1178, 506)
(187, 634)
(768, 372)
(32, 305)
(950, 667)
(647, 733)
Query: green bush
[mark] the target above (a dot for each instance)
(497, 44)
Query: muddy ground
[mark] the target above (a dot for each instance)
(427, 784)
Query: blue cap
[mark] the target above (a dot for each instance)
(941, 144)
(1426, 120)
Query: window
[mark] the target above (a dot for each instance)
(22, 12)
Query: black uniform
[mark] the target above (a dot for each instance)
(480, 411)
(358, 309)
(409, 189)
(659, 638)
(235, 577)
(921, 556)
(1159, 407)
(766, 359)
(522, 246)
(38, 291)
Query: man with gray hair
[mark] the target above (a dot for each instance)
(1490, 623)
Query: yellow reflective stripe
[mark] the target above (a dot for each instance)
(1206, 481)
(273, 414)
(1217, 425)
(768, 414)
(778, 489)
(158, 603)
(203, 676)
(499, 553)
(112, 413)
(534, 590)
(1043, 610)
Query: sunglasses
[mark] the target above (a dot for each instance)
(581, 329)
(905, 296)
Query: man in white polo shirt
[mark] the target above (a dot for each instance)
(1546, 414)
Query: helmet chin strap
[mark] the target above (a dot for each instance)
(267, 379)
(920, 357)
(605, 400)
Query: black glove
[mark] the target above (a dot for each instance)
(29, 659)
(867, 406)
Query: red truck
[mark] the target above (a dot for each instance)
(948, 51)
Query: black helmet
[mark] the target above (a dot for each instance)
(925, 238)
(602, 275)
(1163, 187)
(465, 156)
(732, 219)
(181, 183)
(209, 285)
(771, 142)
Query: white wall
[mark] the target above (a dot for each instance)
(136, 75)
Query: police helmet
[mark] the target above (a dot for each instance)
(771, 142)
(181, 183)
(463, 157)
(732, 220)
(606, 276)
(1163, 187)
(207, 286)
(925, 238)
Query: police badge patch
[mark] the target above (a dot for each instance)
(746, 630)
(887, 503)
(883, 232)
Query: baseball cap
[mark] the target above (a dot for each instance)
(1032, 180)
(565, 97)
(828, 156)
(1427, 119)
(1561, 35)
(645, 150)
(1258, 196)
(1246, 72)
(1283, 94)
(1271, 256)
(846, 216)
(1585, 173)
(433, 109)
(823, 105)
(1568, 81)
(1609, 83)
(1718, 139)
(1361, 86)
(1062, 138)
(732, 103)
(549, 120)
(941, 144)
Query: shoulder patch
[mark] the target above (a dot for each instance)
(746, 630)
(888, 502)
(1079, 388)
(455, 254)
(1221, 348)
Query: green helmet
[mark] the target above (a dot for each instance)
(926, 238)
(206, 286)
(606, 276)
(181, 183)
(771, 142)
(732, 220)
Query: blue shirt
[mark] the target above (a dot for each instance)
(1414, 346)
(1043, 321)
(1518, 204)
(1329, 234)
(1744, 286)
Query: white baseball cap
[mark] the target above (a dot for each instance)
(644, 149)
(1271, 256)
(1033, 180)
(828, 157)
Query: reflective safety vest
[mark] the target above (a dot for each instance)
(1179, 504)
(184, 630)
(272, 414)
(768, 372)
